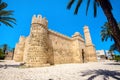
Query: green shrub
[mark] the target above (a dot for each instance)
(117, 58)
(2, 55)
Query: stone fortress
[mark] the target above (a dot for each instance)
(45, 47)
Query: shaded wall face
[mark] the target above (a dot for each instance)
(27, 44)
(61, 49)
(82, 52)
(91, 53)
(19, 50)
(9, 56)
(77, 47)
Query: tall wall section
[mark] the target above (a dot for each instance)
(19, 49)
(61, 46)
(78, 48)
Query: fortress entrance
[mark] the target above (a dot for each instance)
(83, 56)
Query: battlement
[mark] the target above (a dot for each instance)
(21, 39)
(39, 20)
(86, 29)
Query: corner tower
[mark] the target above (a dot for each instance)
(36, 53)
(90, 49)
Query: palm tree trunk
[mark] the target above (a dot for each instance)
(111, 20)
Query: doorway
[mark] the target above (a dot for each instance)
(83, 56)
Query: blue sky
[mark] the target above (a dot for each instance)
(59, 19)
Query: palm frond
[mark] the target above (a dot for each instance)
(95, 8)
(70, 4)
(77, 7)
(6, 13)
(3, 5)
(9, 19)
(88, 3)
(106, 32)
(113, 47)
(6, 23)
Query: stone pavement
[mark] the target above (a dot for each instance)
(107, 70)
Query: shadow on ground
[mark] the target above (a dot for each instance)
(2, 61)
(5, 66)
(105, 73)
(117, 63)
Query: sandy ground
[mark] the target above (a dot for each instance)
(107, 70)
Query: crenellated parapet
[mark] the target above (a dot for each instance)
(39, 20)
(22, 39)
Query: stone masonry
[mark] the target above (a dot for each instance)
(45, 47)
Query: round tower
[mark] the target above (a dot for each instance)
(38, 42)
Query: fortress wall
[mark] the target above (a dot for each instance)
(77, 51)
(91, 54)
(26, 48)
(82, 51)
(19, 50)
(61, 47)
(15, 52)
(37, 48)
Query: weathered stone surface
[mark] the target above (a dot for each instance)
(44, 47)
(19, 50)
(90, 49)
(9, 56)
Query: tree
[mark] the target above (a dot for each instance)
(2, 55)
(5, 48)
(113, 48)
(117, 58)
(107, 33)
(107, 9)
(5, 15)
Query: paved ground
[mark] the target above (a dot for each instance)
(108, 70)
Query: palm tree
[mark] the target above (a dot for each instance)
(113, 48)
(107, 9)
(2, 55)
(107, 33)
(3, 50)
(5, 15)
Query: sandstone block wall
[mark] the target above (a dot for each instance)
(19, 50)
(9, 56)
(61, 48)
